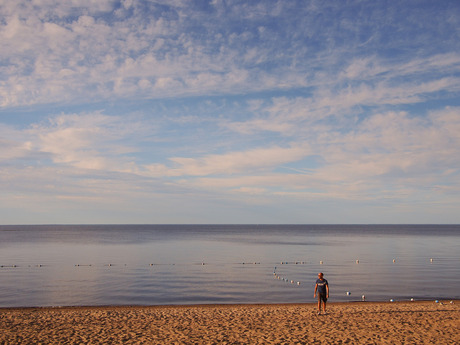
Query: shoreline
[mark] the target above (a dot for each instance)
(419, 322)
(204, 305)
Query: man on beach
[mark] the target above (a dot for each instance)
(322, 289)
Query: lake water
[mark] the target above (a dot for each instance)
(201, 264)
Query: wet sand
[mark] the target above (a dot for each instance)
(345, 323)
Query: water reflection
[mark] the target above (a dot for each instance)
(145, 265)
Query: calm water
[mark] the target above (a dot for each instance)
(195, 264)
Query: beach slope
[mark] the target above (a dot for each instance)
(345, 323)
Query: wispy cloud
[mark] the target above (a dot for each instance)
(232, 162)
(127, 104)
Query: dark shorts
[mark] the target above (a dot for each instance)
(322, 297)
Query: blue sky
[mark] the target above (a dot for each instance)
(229, 111)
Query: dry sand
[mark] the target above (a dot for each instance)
(345, 323)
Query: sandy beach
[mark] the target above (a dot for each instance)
(346, 323)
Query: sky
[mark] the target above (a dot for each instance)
(177, 111)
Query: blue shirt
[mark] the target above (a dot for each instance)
(321, 286)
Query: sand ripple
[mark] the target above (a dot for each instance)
(346, 323)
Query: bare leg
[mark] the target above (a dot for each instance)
(324, 307)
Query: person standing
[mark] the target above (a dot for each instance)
(322, 290)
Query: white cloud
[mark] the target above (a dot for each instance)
(389, 155)
(86, 141)
(231, 162)
(248, 102)
(84, 50)
(13, 144)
